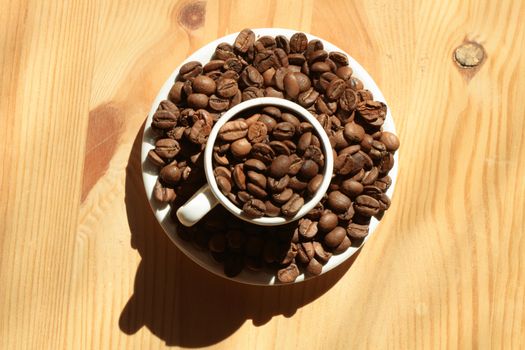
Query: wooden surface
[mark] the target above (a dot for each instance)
(83, 263)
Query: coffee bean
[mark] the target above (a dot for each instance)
(190, 70)
(241, 148)
(155, 159)
(297, 184)
(218, 104)
(226, 87)
(314, 153)
(164, 120)
(335, 89)
(163, 194)
(308, 98)
(351, 188)
(224, 184)
(256, 178)
(256, 191)
(244, 196)
(366, 205)
(203, 84)
(390, 141)
(296, 164)
(309, 169)
(268, 121)
(314, 267)
(283, 196)
(328, 222)
(282, 42)
(271, 209)
(308, 228)
(278, 185)
(335, 237)
(263, 152)
(233, 130)
(288, 274)
(343, 246)
(257, 132)
(291, 86)
(338, 201)
(199, 132)
(238, 176)
(220, 159)
(348, 100)
(370, 176)
(167, 148)
(279, 166)
(355, 230)
(298, 43)
(255, 164)
(254, 208)
(244, 41)
(344, 164)
(314, 184)
(280, 148)
(171, 174)
(320, 254)
(292, 207)
(250, 76)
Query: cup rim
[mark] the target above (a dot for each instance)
(325, 146)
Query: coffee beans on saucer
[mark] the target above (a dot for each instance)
(263, 168)
(269, 162)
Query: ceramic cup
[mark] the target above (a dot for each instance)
(209, 195)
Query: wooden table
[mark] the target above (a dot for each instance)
(84, 264)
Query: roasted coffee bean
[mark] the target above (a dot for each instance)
(155, 159)
(292, 207)
(241, 148)
(256, 178)
(218, 104)
(366, 205)
(282, 42)
(167, 148)
(268, 121)
(190, 70)
(304, 141)
(320, 254)
(163, 194)
(203, 84)
(226, 87)
(344, 72)
(370, 176)
(280, 148)
(343, 164)
(257, 132)
(256, 191)
(282, 197)
(354, 132)
(224, 184)
(213, 65)
(347, 215)
(296, 184)
(279, 166)
(238, 176)
(278, 185)
(164, 120)
(222, 171)
(338, 201)
(339, 58)
(291, 86)
(271, 209)
(351, 188)
(390, 141)
(343, 246)
(250, 76)
(335, 89)
(199, 132)
(244, 196)
(296, 59)
(328, 221)
(171, 174)
(296, 164)
(314, 153)
(335, 237)
(288, 274)
(233, 130)
(254, 208)
(314, 184)
(348, 100)
(307, 228)
(355, 230)
(320, 67)
(244, 40)
(309, 169)
(298, 43)
(255, 164)
(314, 267)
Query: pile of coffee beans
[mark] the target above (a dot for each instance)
(269, 162)
(322, 82)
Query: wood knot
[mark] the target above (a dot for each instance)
(192, 15)
(469, 55)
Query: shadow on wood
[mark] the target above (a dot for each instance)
(182, 303)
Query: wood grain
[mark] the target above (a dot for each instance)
(84, 264)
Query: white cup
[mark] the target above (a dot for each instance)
(209, 195)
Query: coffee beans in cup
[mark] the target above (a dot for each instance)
(302, 71)
(260, 163)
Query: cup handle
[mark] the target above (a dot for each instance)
(197, 206)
